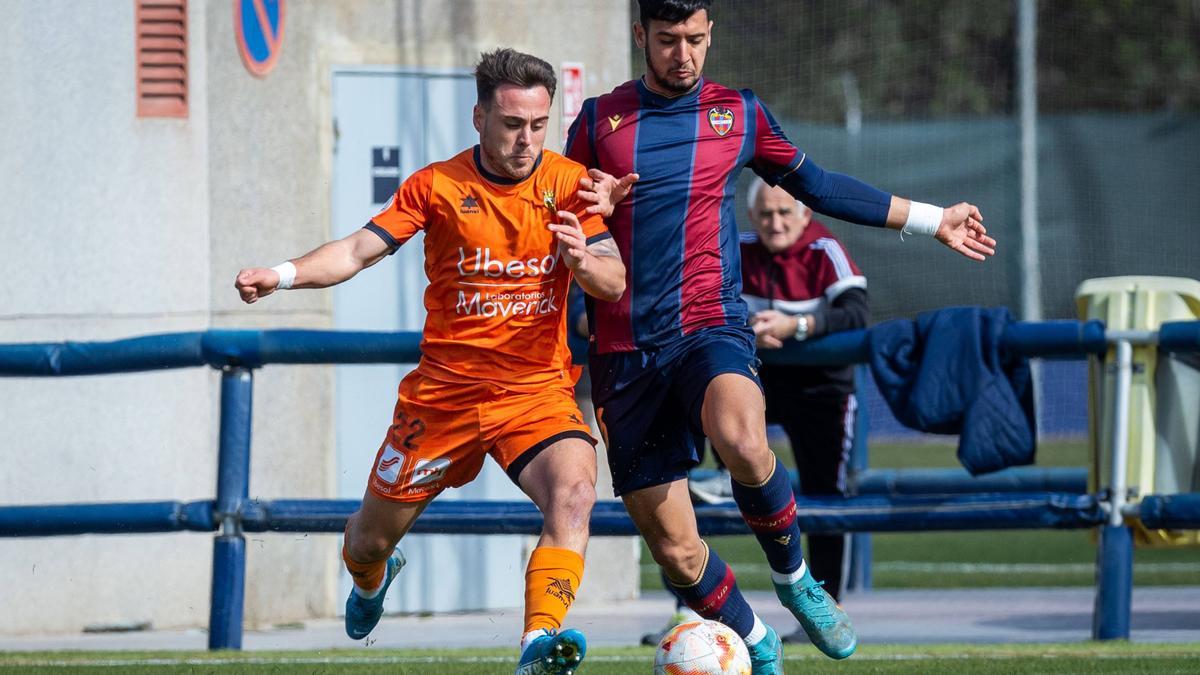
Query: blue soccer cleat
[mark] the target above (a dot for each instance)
(553, 654)
(827, 625)
(766, 655)
(362, 614)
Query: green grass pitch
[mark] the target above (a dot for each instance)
(1083, 658)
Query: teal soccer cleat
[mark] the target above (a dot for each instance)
(827, 625)
(766, 656)
(362, 614)
(553, 654)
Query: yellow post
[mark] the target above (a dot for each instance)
(1164, 397)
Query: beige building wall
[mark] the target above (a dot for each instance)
(104, 233)
(115, 226)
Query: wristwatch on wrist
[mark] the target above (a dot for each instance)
(801, 328)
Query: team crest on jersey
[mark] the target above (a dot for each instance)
(548, 200)
(720, 119)
(469, 205)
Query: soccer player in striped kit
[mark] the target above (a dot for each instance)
(674, 355)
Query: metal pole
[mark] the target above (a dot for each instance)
(1114, 564)
(860, 542)
(853, 118)
(1120, 441)
(860, 562)
(1031, 265)
(233, 490)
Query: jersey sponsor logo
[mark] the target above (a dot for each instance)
(720, 119)
(481, 262)
(429, 472)
(517, 303)
(469, 205)
(389, 466)
(613, 121)
(511, 287)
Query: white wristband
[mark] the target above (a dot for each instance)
(922, 219)
(287, 275)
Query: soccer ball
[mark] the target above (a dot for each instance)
(701, 648)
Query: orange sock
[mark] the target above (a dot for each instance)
(551, 581)
(366, 576)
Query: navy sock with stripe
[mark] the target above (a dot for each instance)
(716, 596)
(770, 511)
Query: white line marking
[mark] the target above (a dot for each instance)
(1024, 568)
(615, 658)
(979, 568)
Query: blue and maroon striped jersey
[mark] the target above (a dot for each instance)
(676, 230)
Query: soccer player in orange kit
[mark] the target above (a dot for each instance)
(505, 232)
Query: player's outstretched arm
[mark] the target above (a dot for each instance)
(598, 267)
(327, 265)
(959, 227)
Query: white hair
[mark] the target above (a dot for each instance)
(756, 186)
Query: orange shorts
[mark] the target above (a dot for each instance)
(442, 430)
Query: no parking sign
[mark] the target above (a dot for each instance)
(258, 27)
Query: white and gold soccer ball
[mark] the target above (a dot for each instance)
(701, 648)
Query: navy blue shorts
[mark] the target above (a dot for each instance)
(648, 402)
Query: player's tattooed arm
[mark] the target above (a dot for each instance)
(605, 248)
(597, 267)
(604, 278)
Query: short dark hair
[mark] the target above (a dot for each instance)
(508, 66)
(671, 11)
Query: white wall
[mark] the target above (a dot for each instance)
(104, 233)
(114, 226)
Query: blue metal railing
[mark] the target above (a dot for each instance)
(1036, 510)
(255, 348)
(237, 352)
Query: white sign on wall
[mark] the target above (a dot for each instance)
(571, 85)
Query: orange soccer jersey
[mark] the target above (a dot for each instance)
(496, 301)
(494, 376)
